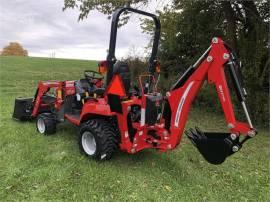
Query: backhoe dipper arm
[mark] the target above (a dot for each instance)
(209, 67)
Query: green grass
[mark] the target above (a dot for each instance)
(38, 168)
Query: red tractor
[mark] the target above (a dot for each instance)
(114, 115)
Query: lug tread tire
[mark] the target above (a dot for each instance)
(105, 135)
(49, 121)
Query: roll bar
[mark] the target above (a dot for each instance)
(111, 59)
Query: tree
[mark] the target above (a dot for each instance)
(187, 29)
(14, 49)
(104, 6)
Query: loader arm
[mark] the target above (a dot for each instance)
(210, 67)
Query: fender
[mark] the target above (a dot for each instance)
(96, 108)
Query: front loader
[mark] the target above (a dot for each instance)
(113, 114)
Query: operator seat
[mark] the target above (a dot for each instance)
(122, 69)
(82, 86)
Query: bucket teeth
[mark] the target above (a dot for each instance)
(190, 136)
(200, 132)
(195, 134)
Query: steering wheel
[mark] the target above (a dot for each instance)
(93, 76)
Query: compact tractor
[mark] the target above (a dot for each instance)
(112, 114)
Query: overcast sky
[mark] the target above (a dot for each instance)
(43, 28)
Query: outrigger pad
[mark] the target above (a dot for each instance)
(214, 147)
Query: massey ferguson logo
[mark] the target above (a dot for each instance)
(221, 92)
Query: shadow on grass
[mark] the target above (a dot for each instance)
(151, 161)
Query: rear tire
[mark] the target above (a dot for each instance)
(46, 123)
(98, 139)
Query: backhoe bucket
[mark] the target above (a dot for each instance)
(214, 147)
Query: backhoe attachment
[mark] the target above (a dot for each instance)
(211, 67)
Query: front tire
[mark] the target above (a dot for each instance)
(46, 124)
(98, 139)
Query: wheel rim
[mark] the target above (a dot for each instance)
(41, 125)
(89, 143)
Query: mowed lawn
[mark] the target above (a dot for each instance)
(38, 168)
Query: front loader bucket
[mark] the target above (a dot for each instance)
(23, 109)
(214, 147)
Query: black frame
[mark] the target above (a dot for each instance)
(111, 59)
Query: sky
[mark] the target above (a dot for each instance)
(46, 31)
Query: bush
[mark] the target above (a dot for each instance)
(14, 49)
(137, 67)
